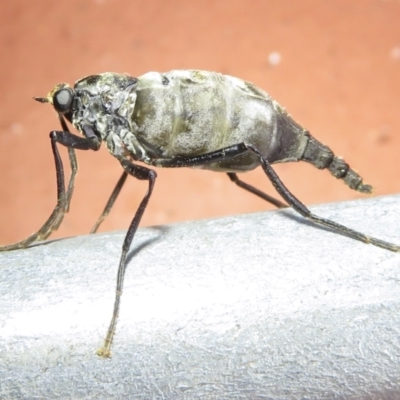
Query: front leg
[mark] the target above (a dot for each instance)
(71, 141)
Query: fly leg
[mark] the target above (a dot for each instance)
(234, 178)
(219, 155)
(305, 212)
(74, 170)
(201, 159)
(59, 211)
(110, 201)
(235, 150)
(71, 141)
(141, 173)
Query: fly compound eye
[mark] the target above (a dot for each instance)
(62, 100)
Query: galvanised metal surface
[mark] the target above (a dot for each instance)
(254, 306)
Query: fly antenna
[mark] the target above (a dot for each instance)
(41, 99)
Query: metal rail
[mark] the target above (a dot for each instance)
(252, 306)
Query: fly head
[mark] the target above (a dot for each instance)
(98, 105)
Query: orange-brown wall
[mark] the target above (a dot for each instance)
(339, 76)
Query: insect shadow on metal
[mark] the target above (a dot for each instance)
(184, 118)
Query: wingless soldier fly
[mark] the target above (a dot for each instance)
(183, 118)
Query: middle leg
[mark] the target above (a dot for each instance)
(234, 178)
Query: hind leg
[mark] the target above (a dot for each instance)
(297, 205)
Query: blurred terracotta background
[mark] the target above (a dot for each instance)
(335, 65)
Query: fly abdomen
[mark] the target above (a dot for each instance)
(322, 157)
(297, 144)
